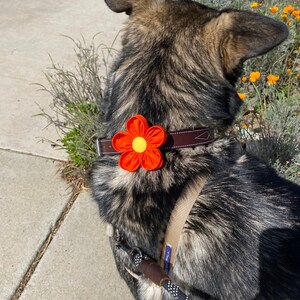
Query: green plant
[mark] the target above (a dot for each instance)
(77, 96)
(275, 137)
(269, 122)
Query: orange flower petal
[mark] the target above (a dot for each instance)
(130, 161)
(242, 96)
(273, 9)
(296, 13)
(272, 79)
(288, 9)
(137, 125)
(254, 5)
(152, 159)
(122, 141)
(155, 136)
(254, 76)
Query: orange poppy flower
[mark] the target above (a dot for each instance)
(273, 9)
(242, 96)
(272, 79)
(254, 76)
(254, 5)
(288, 9)
(296, 13)
(244, 79)
(139, 145)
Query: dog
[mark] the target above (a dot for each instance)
(178, 66)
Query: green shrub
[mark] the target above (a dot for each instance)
(77, 95)
(269, 122)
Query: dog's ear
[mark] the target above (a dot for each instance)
(244, 35)
(120, 5)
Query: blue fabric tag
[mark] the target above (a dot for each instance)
(167, 259)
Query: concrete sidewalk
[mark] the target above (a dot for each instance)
(77, 262)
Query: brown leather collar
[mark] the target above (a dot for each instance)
(175, 140)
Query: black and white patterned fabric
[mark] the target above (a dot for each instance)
(175, 291)
(137, 259)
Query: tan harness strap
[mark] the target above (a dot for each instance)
(177, 220)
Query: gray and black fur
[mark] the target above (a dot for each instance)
(177, 67)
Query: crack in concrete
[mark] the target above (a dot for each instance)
(43, 248)
(32, 154)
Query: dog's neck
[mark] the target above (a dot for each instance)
(193, 102)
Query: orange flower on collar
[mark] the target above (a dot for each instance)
(139, 145)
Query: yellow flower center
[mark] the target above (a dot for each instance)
(139, 144)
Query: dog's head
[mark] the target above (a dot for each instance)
(180, 59)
